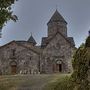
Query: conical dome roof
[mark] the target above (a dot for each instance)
(32, 40)
(57, 18)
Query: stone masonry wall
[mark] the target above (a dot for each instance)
(57, 49)
(27, 60)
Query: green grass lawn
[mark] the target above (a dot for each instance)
(61, 83)
(34, 82)
(10, 82)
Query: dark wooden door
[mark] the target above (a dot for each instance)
(13, 69)
(60, 68)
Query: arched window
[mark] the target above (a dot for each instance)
(30, 58)
(13, 52)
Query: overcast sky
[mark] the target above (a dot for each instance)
(34, 14)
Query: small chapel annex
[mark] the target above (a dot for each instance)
(54, 55)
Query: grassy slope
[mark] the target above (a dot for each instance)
(61, 83)
(34, 82)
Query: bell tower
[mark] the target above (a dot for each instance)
(57, 24)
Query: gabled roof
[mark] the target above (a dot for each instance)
(46, 40)
(27, 45)
(7, 44)
(57, 17)
(32, 40)
(23, 44)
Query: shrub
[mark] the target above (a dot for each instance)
(87, 44)
(80, 65)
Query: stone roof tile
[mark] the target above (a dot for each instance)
(57, 17)
(32, 40)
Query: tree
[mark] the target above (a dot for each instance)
(82, 45)
(80, 65)
(87, 44)
(6, 13)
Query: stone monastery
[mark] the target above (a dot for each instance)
(54, 55)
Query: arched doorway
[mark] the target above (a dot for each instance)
(13, 67)
(59, 66)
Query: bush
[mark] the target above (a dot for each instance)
(64, 84)
(80, 65)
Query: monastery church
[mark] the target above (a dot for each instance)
(54, 55)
